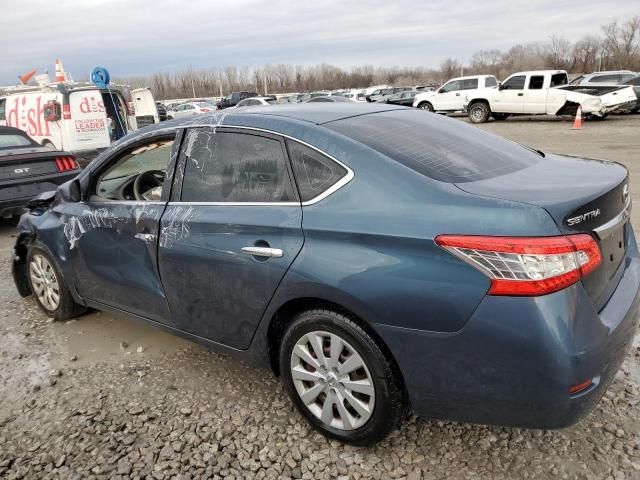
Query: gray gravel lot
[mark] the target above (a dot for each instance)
(101, 397)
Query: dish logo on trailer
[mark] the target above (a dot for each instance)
(28, 118)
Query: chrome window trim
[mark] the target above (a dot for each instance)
(107, 201)
(333, 188)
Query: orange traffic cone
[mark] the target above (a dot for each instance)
(24, 79)
(577, 123)
(59, 71)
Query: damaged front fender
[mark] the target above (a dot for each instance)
(26, 236)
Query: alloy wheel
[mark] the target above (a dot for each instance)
(44, 282)
(332, 380)
(477, 113)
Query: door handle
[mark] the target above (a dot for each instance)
(263, 251)
(457, 94)
(520, 94)
(145, 237)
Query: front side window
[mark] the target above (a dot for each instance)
(514, 83)
(536, 82)
(137, 174)
(452, 86)
(234, 167)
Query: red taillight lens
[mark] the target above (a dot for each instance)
(66, 111)
(526, 266)
(65, 164)
(204, 109)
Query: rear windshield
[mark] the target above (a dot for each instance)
(440, 148)
(10, 140)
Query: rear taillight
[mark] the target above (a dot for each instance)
(526, 266)
(66, 112)
(204, 109)
(65, 164)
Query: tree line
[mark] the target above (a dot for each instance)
(618, 47)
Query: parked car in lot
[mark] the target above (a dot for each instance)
(378, 94)
(545, 92)
(189, 109)
(403, 98)
(256, 101)
(616, 77)
(275, 235)
(233, 98)
(328, 99)
(451, 96)
(28, 169)
(355, 96)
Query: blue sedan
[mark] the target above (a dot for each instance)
(379, 259)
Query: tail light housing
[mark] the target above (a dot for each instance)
(66, 111)
(66, 163)
(526, 266)
(204, 109)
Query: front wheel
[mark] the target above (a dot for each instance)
(49, 287)
(426, 106)
(479, 112)
(339, 379)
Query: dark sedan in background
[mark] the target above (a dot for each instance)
(403, 98)
(27, 169)
(378, 258)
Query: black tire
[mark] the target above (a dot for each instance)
(479, 112)
(500, 116)
(425, 106)
(67, 307)
(390, 400)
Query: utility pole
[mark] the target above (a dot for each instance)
(265, 85)
(193, 86)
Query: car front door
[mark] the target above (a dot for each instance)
(112, 236)
(510, 98)
(229, 234)
(448, 96)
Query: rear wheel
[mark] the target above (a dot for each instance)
(339, 379)
(426, 106)
(48, 286)
(479, 112)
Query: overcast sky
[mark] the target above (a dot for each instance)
(142, 36)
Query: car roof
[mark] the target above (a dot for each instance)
(469, 77)
(4, 130)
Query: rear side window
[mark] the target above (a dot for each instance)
(440, 148)
(606, 79)
(558, 79)
(235, 167)
(490, 82)
(536, 82)
(315, 173)
(470, 84)
(14, 140)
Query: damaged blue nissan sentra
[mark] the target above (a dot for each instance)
(380, 259)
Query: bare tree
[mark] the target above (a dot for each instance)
(622, 42)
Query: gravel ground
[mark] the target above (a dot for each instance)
(101, 397)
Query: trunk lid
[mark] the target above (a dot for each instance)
(582, 196)
(20, 163)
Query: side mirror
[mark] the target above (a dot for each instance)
(71, 191)
(500, 86)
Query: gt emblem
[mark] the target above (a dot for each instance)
(21, 170)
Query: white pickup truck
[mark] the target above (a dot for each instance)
(450, 97)
(545, 92)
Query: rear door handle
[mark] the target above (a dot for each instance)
(457, 94)
(263, 251)
(521, 94)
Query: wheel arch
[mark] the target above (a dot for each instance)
(286, 313)
(422, 102)
(479, 100)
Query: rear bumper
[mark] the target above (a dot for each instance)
(514, 361)
(15, 196)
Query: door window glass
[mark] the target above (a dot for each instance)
(490, 82)
(514, 83)
(451, 86)
(558, 79)
(470, 84)
(536, 82)
(145, 165)
(235, 167)
(315, 173)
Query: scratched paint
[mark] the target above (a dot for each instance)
(176, 225)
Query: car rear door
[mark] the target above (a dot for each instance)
(231, 231)
(535, 95)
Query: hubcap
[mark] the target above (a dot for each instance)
(332, 380)
(477, 113)
(44, 282)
